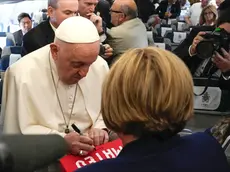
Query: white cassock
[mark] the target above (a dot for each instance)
(30, 104)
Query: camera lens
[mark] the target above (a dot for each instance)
(205, 49)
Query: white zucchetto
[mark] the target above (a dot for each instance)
(77, 29)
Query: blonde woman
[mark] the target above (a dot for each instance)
(147, 99)
(208, 16)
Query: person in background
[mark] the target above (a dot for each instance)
(25, 24)
(193, 15)
(218, 2)
(208, 16)
(185, 5)
(43, 34)
(148, 120)
(49, 90)
(86, 9)
(200, 67)
(145, 9)
(102, 8)
(169, 9)
(128, 31)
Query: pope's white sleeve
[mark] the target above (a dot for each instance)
(99, 123)
(19, 115)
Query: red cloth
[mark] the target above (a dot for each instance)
(109, 150)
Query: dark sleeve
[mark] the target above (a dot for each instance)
(5, 62)
(182, 51)
(103, 7)
(29, 44)
(160, 10)
(224, 84)
(177, 11)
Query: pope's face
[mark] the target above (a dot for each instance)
(74, 60)
(64, 10)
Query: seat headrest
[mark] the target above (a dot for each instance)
(16, 49)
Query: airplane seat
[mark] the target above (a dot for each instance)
(6, 51)
(10, 58)
(150, 38)
(226, 147)
(10, 41)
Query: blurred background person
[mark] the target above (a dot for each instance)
(128, 31)
(102, 8)
(184, 5)
(208, 16)
(193, 15)
(87, 9)
(25, 24)
(148, 120)
(146, 8)
(43, 34)
(218, 2)
(169, 9)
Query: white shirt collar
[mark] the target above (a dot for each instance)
(54, 29)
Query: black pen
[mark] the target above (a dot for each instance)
(75, 128)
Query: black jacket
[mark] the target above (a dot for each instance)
(38, 37)
(175, 9)
(145, 9)
(198, 152)
(18, 36)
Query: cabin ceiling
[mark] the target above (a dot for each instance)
(10, 1)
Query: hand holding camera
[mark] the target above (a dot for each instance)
(211, 43)
(106, 51)
(215, 45)
(222, 62)
(196, 41)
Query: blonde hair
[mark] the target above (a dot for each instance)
(213, 9)
(147, 90)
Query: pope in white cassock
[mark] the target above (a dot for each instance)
(59, 85)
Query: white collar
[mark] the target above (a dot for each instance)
(54, 29)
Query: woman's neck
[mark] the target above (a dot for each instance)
(209, 23)
(127, 138)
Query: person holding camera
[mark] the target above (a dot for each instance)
(192, 51)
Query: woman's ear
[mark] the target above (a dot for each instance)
(54, 51)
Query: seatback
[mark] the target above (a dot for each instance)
(10, 58)
(10, 41)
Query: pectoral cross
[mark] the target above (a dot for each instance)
(67, 131)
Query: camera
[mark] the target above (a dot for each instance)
(102, 50)
(212, 42)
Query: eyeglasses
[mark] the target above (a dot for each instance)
(208, 13)
(115, 11)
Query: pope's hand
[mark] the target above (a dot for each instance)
(79, 144)
(98, 136)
